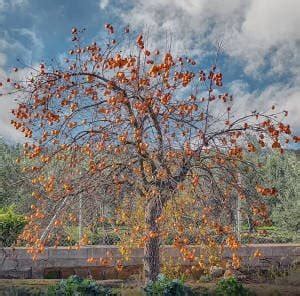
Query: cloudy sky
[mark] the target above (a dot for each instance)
(260, 39)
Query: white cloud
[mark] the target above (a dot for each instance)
(12, 4)
(2, 59)
(9, 45)
(272, 22)
(251, 30)
(262, 34)
(18, 3)
(267, 31)
(282, 96)
(7, 103)
(191, 22)
(103, 3)
(32, 36)
(2, 5)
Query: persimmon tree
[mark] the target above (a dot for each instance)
(118, 121)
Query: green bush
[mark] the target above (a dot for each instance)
(11, 225)
(104, 237)
(164, 286)
(231, 287)
(273, 235)
(96, 237)
(75, 285)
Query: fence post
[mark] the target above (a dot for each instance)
(80, 220)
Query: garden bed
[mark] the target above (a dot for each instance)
(278, 285)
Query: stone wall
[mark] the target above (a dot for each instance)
(61, 262)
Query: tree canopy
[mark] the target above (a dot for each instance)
(120, 121)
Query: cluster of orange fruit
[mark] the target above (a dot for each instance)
(266, 191)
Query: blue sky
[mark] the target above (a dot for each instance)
(261, 40)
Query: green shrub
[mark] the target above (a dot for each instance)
(231, 287)
(164, 286)
(11, 225)
(104, 237)
(75, 285)
(96, 237)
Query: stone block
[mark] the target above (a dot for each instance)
(16, 274)
(51, 273)
(83, 272)
(285, 262)
(67, 254)
(296, 251)
(67, 262)
(102, 252)
(66, 272)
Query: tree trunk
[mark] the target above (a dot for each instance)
(151, 249)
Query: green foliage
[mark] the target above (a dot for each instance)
(164, 286)
(15, 188)
(75, 285)
(97, 236)
(8, 173)
(11, 225)
(104, 237)
(231, 287)
(273, 235)
(283, 172)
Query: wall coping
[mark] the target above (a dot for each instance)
(162, 246)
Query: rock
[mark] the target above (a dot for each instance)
(16, 274)
(234, 273)
(296, 262)
(216, 271)
(228, 273)
(285, 262)
(241, 277)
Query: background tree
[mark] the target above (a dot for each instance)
(283, 172)
(278, 171)
(11, 225)
(14, 186)
(142, 124)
